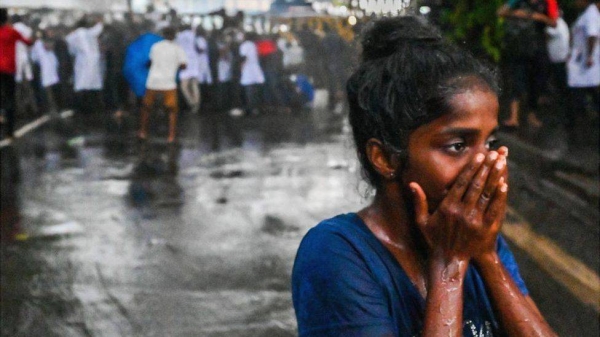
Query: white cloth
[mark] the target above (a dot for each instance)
(251, 71)
(24, 70)
(224, 64)
(83, 45)
(48, 63)
(586, 25)
(558, 41)
(166, 56)
(204, 65)
(185, 40)
(293, 54)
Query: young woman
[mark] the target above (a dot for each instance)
(425, 258)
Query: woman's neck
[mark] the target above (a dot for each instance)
(389, 219)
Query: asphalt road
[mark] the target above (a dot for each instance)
(102, 236)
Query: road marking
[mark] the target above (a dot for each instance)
(574, 275)
(32, 126)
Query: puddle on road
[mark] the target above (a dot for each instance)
(205, 241)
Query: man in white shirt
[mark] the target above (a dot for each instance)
(43, 54)
(205, 76)
(24, 72)
(190, 75)
(557, 43)
(252, 76)
(87, 70)
(166, 58)
(26, 98)
(583, 67)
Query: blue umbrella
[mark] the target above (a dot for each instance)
(135, 68)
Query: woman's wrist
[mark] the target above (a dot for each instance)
(447, 270)
(487, 260)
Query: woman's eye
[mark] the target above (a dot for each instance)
(456, 147)
(492, 144)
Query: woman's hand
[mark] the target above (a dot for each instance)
(466, 223)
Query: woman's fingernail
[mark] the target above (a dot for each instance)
(500, 164)
(493, 155)
(503, 188)
(479, 157)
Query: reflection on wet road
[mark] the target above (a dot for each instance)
(153, 240)
(105, 236)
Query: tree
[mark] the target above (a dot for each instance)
(474, 23)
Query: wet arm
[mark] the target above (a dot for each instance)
(444, 309)
(517, 313)
(545, 19)
(505, 12)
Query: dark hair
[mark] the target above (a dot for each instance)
(406, 79)
(169, 32)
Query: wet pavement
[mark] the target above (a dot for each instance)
(104, 236)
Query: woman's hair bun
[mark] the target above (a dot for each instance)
(384, 38)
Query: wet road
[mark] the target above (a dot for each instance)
(102, 236)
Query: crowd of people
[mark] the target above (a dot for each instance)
(546, 59)
(102, 64)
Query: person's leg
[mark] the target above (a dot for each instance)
(170, 103)
(7, 97)
(561, 94)
(147, 103)
(195, 94)
(594, 93)
(50, 102)
(538, 82)
(576, 109)
(185, 86)
(518, 79)
(56, 95)
(253, 97)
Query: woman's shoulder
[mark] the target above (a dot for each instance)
(337, 242)
(345, 226)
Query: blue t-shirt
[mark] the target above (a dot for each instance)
(346, 283)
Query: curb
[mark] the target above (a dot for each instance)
(32, 126)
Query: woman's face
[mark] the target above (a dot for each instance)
(439, 150)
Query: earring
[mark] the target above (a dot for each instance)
(392, 175)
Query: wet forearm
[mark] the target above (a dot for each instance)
(518, 315)
(444, 310)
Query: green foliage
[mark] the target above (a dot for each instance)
(474, 23)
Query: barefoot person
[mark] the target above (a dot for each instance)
(425, 258)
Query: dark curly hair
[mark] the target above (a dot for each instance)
(407, 77)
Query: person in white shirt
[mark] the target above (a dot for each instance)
(24, 73)
(87, 70)
(293, 54)
(189, 76)
(252, 76)
(225, 73)
(43, 54)
(166, 59)
(557, 43)
(205, 76)
(583, 66)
